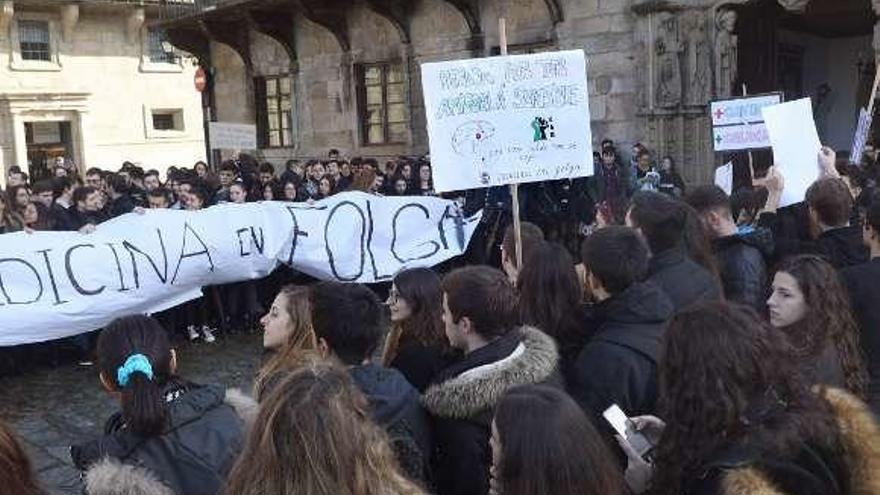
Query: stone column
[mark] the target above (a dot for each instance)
(19, 140)
(84, 147)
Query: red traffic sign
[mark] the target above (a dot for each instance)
(200, 79)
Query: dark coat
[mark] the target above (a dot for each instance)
(76, 220)
(419, 363)
(619, 364)
(812, 471)
(121, 205)
(742, 265)
(193, 455)
(395, 406)
(60, 216)
(841, 247)
(863, 284)
(684, 280)
(463, 399)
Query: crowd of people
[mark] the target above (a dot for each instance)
(741, 342)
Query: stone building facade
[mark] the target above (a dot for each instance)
(90, 82)
(351, 67)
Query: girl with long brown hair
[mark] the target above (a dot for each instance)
(10, 221)
(16, 472)
(810, 305)
(287, 332)
(416, 345)
(741, 420)
(543, 443)
(313, 436)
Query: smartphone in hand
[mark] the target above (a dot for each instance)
(627, 429)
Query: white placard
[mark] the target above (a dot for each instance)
(861, 137)
(740, 137)
(724, 177)
(57, 284)
(737, 124)
(226, 136)
(796, 146)
(505, 120)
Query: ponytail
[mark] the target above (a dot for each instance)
(135, 355)
(143, 406)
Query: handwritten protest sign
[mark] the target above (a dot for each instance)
(225, 136)
(508, 120)
(795, 146)
(861, 137)
(738, 124)
(57, 284)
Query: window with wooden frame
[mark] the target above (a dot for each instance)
(382, 103)
(274, 97)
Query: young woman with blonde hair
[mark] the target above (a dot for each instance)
(287, 333)
(313, 436)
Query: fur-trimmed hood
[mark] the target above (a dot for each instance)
(534, 360)
(860, 438)
(110, 476)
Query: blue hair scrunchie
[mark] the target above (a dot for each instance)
(135, 363)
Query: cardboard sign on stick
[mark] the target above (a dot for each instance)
(508, 120)
(796, 146)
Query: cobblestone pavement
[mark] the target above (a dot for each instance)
(52, 408)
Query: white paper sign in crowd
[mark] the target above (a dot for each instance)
(226, 136)
(724, 177)
(57, 284)
(861, 137)
(506, 120)
(795, 146)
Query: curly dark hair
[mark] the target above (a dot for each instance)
(728, 379)
(829, 317)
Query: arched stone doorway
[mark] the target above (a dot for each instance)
(692, 52)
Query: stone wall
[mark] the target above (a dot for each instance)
(103, 83)
(326, 103)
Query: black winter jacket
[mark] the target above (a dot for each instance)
(684, 280)
(742, 265)
(192, 457)
(863, 284)
(841, 247)
(395, 406)
(619, 364)
(463, 399)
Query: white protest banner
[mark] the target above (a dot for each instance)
(861, 137)
(738, 124)
(507, 120)
(724, 177)
(226, 136)
(795, 146)
(57, 284)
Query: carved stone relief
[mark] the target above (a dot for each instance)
(725, 52)
(667, 49)
(698, 52)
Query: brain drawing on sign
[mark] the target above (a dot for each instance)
(473, 140)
